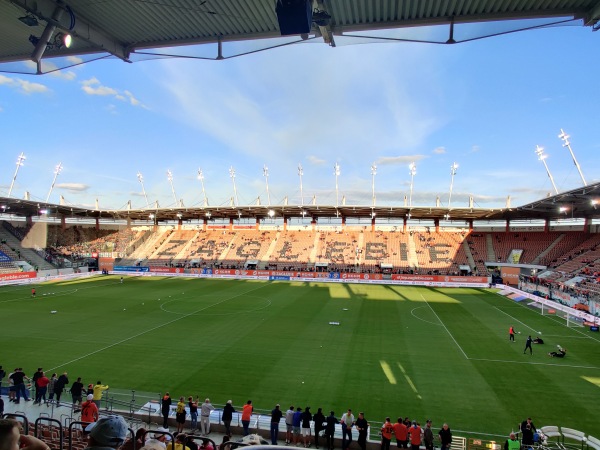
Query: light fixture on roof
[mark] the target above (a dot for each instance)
(271, 213)
(266, 175)
(232, 175)
(300, 173)
(140, 178)
(57, 170)
(46, 40)
(151, 216)
(336, 172)
(179, 215)
(373, 173)
(542, 157)
(565, 138)
(412, 170)
(20, 160)
(208, 214)
(453, 169)
(30, 20)
(201, 178)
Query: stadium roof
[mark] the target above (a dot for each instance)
(126, 29)
(579, 203)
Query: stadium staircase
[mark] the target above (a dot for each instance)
(413, 260)
(467, 250)
(185, 251)
(361, 245)
(315, 251)
(146, 249)
(489, 242)
(556, 241)
(27, 254)
(267, 256)
(228, 247)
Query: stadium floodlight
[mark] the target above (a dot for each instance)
(170, 178)
(271, 213)
(565, 138)
(563, 209)
(179, 215)
(336, 172)
(201, 178)
(141, 180)
(208, 214)
(412, 170)
(57, 171)
(300, 173)
(232, 175)
(20, 160)
(373, 173)
(266, 175)
(453, 169)
(542, 157)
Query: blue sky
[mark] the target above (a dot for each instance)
(484, 104)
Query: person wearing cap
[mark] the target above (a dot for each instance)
(414, 433)
(347, 422)
(107, 433)
(205, 411)
(227, 416)
(401, 433)
(89, 410)
(276, 415)
(428, 436)
(386, 434)
(445, 437)
(161, 435)
(12, 439)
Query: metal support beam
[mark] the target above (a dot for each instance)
(99, 39)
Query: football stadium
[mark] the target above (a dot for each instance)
(427, 312)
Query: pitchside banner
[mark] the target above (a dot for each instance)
(130, 269)
(17, 276)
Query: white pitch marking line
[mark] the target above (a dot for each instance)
(412, 312)
(446, 328)
(536, 363)
(517, 320)
(151, 329)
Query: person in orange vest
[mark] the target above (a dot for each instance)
(89, 410)
(386, 434)
(511, 334)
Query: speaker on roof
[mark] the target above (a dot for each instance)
(294, 16)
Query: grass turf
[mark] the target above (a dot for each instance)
(420, 352)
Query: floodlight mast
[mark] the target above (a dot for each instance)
(373, 173)
(232, 175)
(57, 171)
(565, 138)
(170, 178)
(20, 160)
(336, 172)
(412, 167)
(300, 173)
(453, 169)
(540, 152)
(266, 175)
(141, 180)
(201, 178)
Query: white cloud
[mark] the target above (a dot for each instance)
(336, 115)
(74, 59)
(439, 150)
(23, 86)
(475, 149)
(73, 187)
(52, 70)
(316, 161)
(93, 86)
(398, 160)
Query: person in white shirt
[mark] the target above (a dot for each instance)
(347, 422)
(205, 411)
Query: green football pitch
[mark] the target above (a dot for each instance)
(442, 354)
